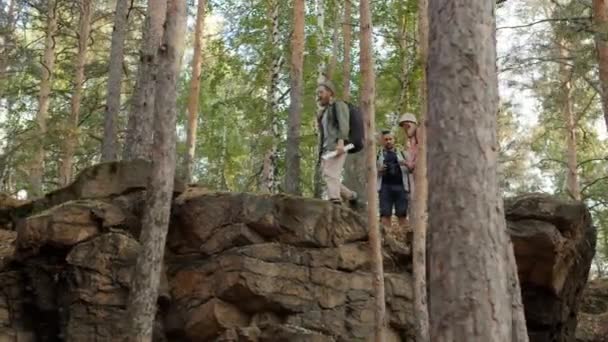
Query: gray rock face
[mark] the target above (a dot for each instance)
(554, 243)
(244, 267)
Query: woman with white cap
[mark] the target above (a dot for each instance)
(409, 124)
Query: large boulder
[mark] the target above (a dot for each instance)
(277, 268)
(100, 181)
(554, 243)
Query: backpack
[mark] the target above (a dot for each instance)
(356, 135)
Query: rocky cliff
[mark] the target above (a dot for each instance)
(244, 267)
(554, 243)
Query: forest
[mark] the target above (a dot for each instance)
(73, 94)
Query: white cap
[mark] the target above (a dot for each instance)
(408, 117)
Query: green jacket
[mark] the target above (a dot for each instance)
(330, 132)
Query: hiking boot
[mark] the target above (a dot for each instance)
(355, 203)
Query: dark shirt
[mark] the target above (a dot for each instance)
(392, 173)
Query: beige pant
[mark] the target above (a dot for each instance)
(332, 170)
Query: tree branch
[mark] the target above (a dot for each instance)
(543, 21)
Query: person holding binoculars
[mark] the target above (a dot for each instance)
(393, 181)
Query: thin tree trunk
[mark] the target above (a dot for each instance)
(348, 34)
(354, 179)
(146, 276)
(368, 93)
(600, 19)
(71, 139)
(572, 184)
(405, 68)
(321, 77)
(193, 94)
(48, 64)
(108, 147)
(474, 293)
(140, 133)
(270, 172)
(292, 157)
(335, 44)
(320, 10)
(419, 211)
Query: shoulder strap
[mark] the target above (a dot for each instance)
(334, 112)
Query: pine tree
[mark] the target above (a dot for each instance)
(155, 220)
(419, 212)
(48, 65)
(292, 170)
(474, 294)
(71, 140)
(108, 147)
(194, 91)
(368, 93)
(139, 135)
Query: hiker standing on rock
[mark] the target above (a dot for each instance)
(340, 125)
(393, 181)
(409, 124)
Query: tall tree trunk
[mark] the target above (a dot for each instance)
(71, 139)
(292, 158)
(48, 64)
(270, 181)
(420, 199)
(108, 146)
(474, 292)
(193, 94)
(405, 67)
(368, 93)
(140, 133)
(335, 44)
(354, 179)
(348, 34)
(144, 289)
(600, 19)
(321, 77)
(572, 184)
(320, 10)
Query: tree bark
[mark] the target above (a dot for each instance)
(419, 212)
(71, 138)
(144, 289)
(140, 133)
(572, 185)
(600, 20)
(321, 77)
(270, 172)
(354, 179)
(193, 95)
(473, 295)
(108, 147)
(292, 158)
(368, 92)
(48, 64)
(335, 44)
(348, 34)
(405, 68)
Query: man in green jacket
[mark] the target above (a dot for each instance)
(334, 124)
